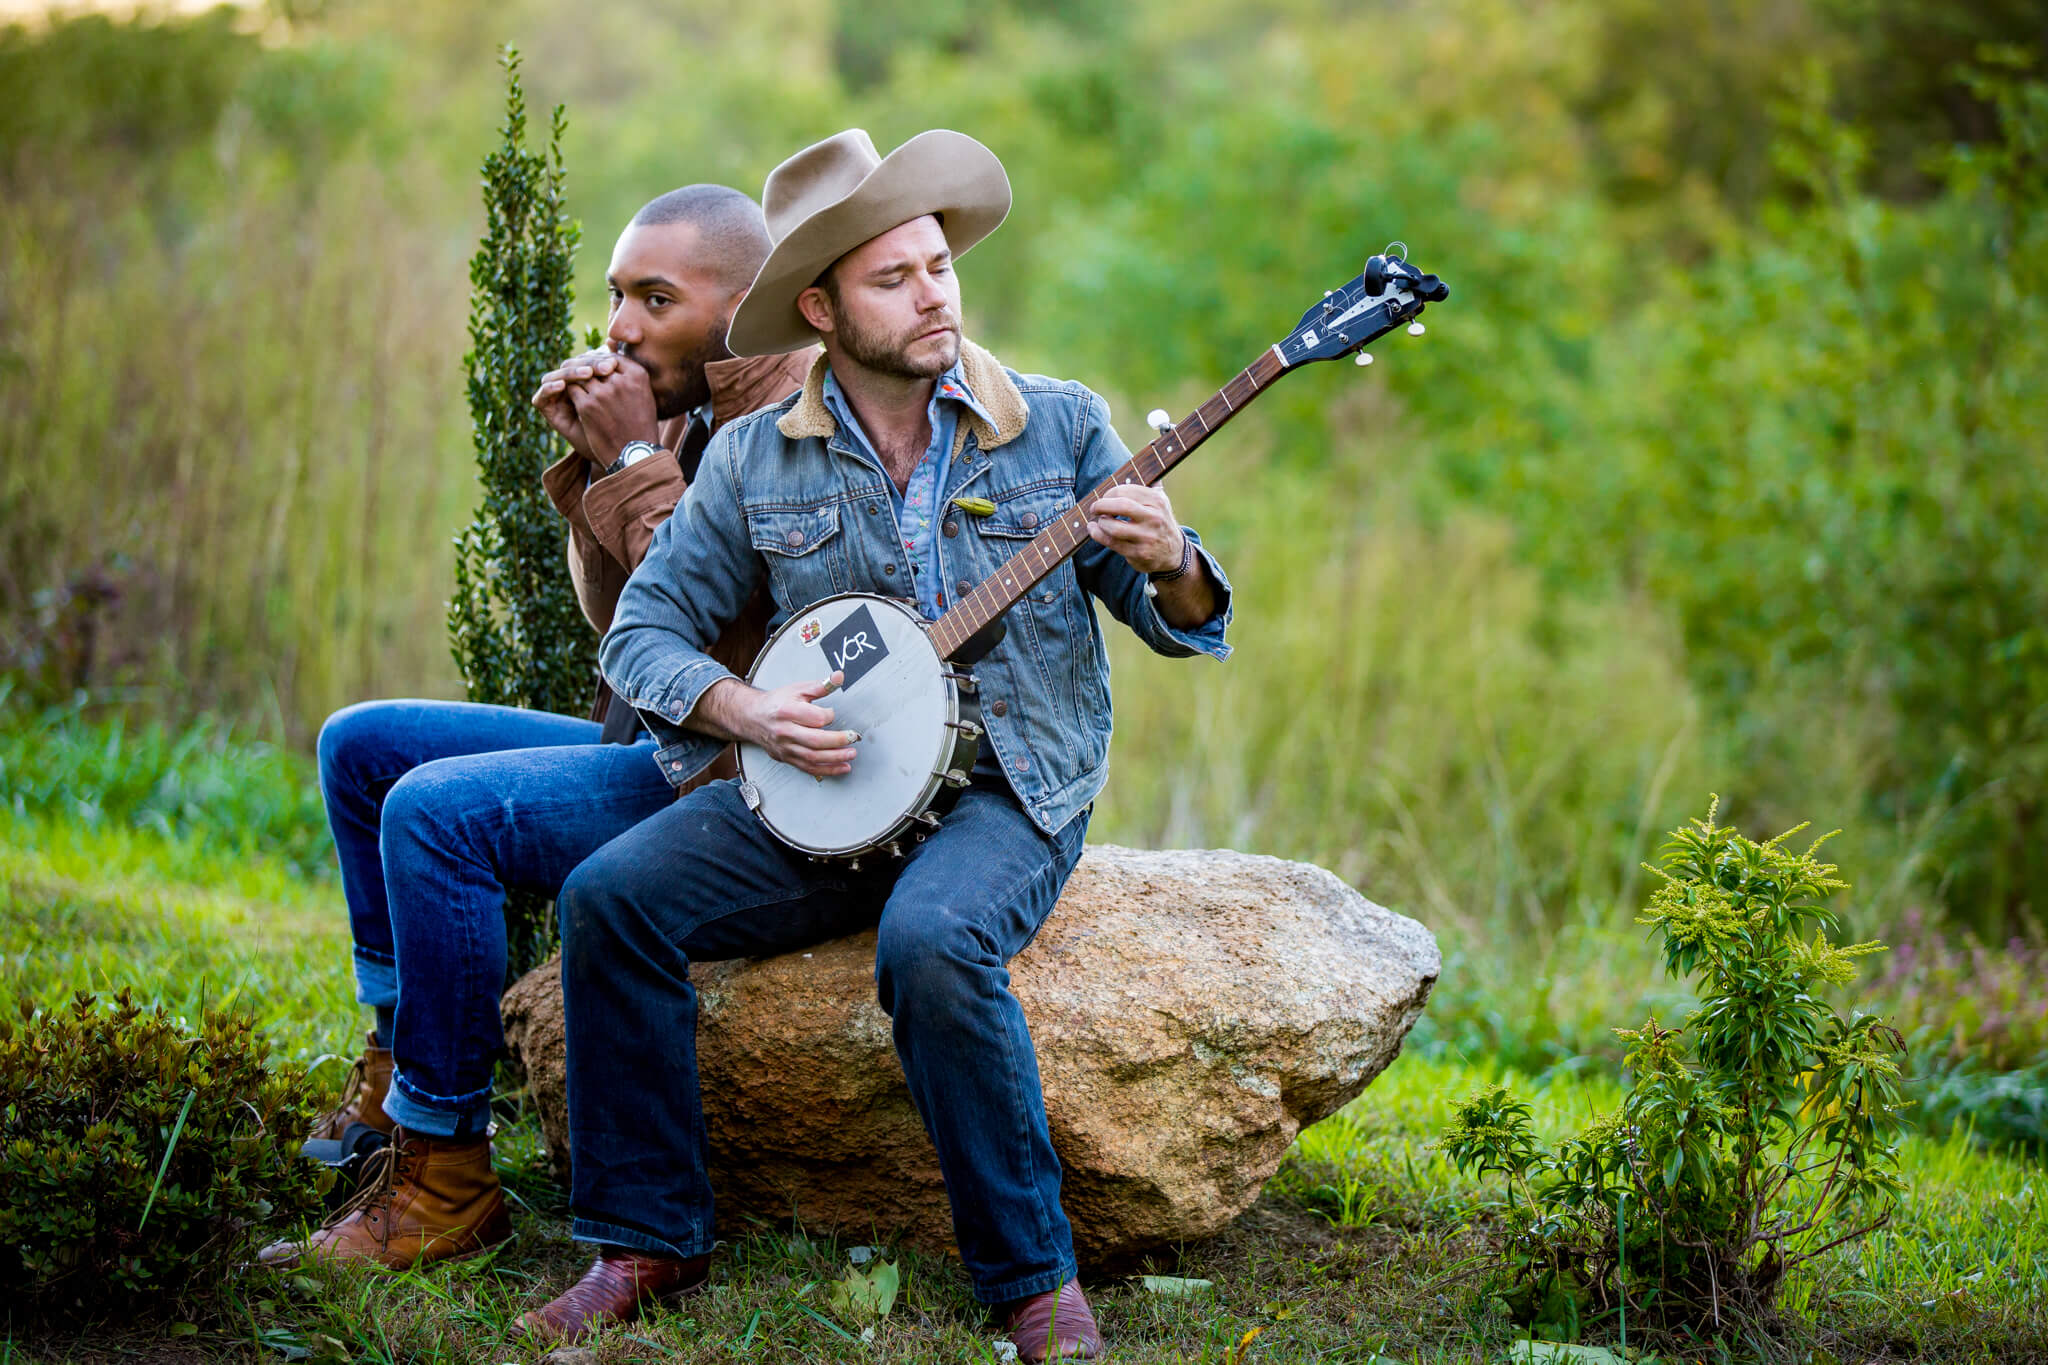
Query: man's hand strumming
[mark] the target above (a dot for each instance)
(787, 722)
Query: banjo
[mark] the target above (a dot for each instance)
(907, 689)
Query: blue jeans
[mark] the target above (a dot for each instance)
(437, 809)
(702, 881)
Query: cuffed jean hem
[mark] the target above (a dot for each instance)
(465, 1116)
(1042, 1283)
(611, 1234)
(376, 979)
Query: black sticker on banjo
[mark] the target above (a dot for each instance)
(854, 646)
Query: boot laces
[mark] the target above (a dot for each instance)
(383, 1170)
(352, 1087)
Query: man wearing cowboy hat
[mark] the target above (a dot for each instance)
(868, 480)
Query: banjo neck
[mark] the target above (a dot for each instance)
(1051, 547)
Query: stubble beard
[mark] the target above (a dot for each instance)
(686, 388)
(891, 355)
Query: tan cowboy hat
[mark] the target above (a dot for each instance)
(833, 195)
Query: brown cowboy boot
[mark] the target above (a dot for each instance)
(362, 1095)
(1056, 1325)
(612, 1290)
(425, 1199)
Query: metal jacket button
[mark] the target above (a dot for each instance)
(795, 538)
(999, 708)
(952, 528)
(1028, 520)
(889, 569)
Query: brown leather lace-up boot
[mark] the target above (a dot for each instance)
(424, 1199)
(362, 1095)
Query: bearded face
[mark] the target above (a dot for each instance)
(892, 304)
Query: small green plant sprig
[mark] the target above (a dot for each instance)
(1757, 1135)
(139, 1152)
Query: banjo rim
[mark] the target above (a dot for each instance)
(929, 797)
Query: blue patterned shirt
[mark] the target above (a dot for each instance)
(917, 507)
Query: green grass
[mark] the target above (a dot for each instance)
(1365, 1244)
(95, 910)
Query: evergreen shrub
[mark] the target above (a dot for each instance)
(138, 1153)
(518, 635)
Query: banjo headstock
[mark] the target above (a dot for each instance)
(1386, 294)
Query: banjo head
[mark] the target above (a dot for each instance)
(896, 695)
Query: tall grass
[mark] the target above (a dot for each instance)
(1408, 707)
(234, 451)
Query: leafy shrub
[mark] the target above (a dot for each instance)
(1754, 1136)
(136, 1153)
(518, 635)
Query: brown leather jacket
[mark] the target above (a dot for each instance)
(612, 520)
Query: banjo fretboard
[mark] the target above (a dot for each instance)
(1051, 547)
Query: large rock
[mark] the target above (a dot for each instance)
(1192, 1010)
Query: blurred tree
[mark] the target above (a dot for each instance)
(92, 89)
(1909, 86)
(1685, 91)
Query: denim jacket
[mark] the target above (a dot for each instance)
(782, 495)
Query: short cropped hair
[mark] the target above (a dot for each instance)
(732, 235)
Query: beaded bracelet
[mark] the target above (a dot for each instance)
(1187, 561)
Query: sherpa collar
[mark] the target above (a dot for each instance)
(985, 379)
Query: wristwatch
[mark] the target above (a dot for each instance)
(634, 452)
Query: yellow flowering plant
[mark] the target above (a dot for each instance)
(1757, 1134)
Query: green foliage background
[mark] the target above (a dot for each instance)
(1723, 467)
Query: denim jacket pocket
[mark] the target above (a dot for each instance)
(1022, 514)
(805, 554)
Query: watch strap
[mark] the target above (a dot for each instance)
(631, 454)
